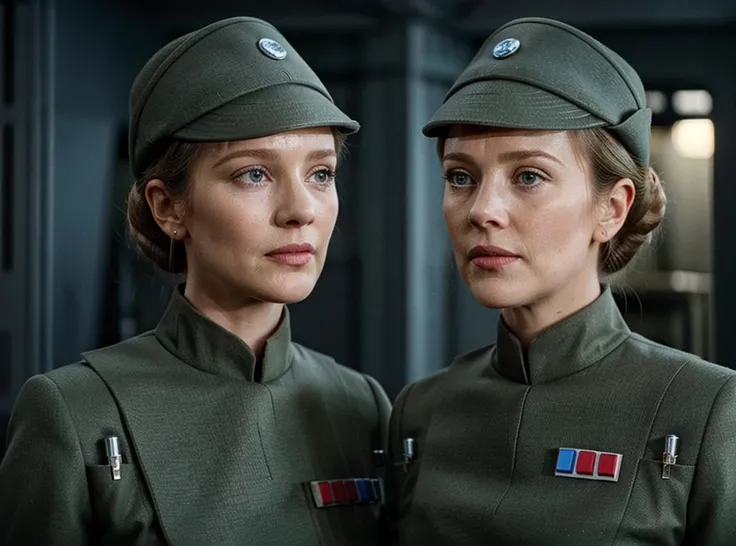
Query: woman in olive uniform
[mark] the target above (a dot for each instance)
(570, 430)
(216, 428)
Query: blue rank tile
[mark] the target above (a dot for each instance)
(363, 490)
(565, 461)
(371, 494)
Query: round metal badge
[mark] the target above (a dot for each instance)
(506, 48)
(271, 48)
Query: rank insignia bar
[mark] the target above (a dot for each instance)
(588, 464)
(329, 493)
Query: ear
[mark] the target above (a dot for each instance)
(165, 210)
(614, 210)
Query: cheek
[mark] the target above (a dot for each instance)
(455, 216)
(559, 230)
(328, 204)
(226, 218)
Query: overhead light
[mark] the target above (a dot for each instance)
(694, 138)
(696, 102)
(656, 101)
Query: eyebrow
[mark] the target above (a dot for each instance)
(504, 157)
(266, 154)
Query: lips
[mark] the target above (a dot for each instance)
(304, 248)
(294, 255)
(481, 251)
(491, 258)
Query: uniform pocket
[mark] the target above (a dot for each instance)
(119, 505)
(657, 509)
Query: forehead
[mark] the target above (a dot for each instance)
(480, 139)
(318, 138)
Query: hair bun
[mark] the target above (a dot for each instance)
(638, 227)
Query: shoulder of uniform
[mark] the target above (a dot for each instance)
(657, 351)
(300, 351)
(141, 340)
(81, 386)
(75, 386)
(426, 384)
(470, 359)
(657, 354)
(73, 400)
(413, 407)
(461, 365)
(303, 353)
(711, 371)
(415, 399)
(319, 360)
(363, 391)
(128, 357)
(71, 376)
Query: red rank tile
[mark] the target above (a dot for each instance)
(325, 492)
(338, 491)
(585, 463)
(351, 490)
(607, 463)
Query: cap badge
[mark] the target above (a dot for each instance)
(506, 48)
(271, 48)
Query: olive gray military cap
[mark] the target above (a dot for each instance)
(537, 73)
(235, 79)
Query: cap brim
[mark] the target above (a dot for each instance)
(269, 111)
(512, 105)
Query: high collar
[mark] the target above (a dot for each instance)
(203, 344)
(568, 347)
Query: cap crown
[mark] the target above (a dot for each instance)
(204, 70)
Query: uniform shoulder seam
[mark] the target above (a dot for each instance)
(709, 419)
(72, 420)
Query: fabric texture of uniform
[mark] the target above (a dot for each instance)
(235, 79)
(488, 430)
(216, 447)
(558, 78)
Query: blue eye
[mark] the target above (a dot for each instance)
(255, 176)
(458, 178)
(252, 176)
(323, 177)
(530, 178)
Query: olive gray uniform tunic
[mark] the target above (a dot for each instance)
(488, 430)
(217, 448)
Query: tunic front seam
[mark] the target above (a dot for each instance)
(641, 455)
(513, 456)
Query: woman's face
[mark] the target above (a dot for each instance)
(521, 214)
(260, 214)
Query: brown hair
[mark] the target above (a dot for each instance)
(173, 167)
(610, 162)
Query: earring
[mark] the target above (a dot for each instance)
(171, 251)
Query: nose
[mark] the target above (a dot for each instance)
(489, 208)
(294, 204)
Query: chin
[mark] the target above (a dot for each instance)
(498, 293)
(287, 290)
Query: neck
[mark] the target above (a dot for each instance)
(528, 321)
(251, 320)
